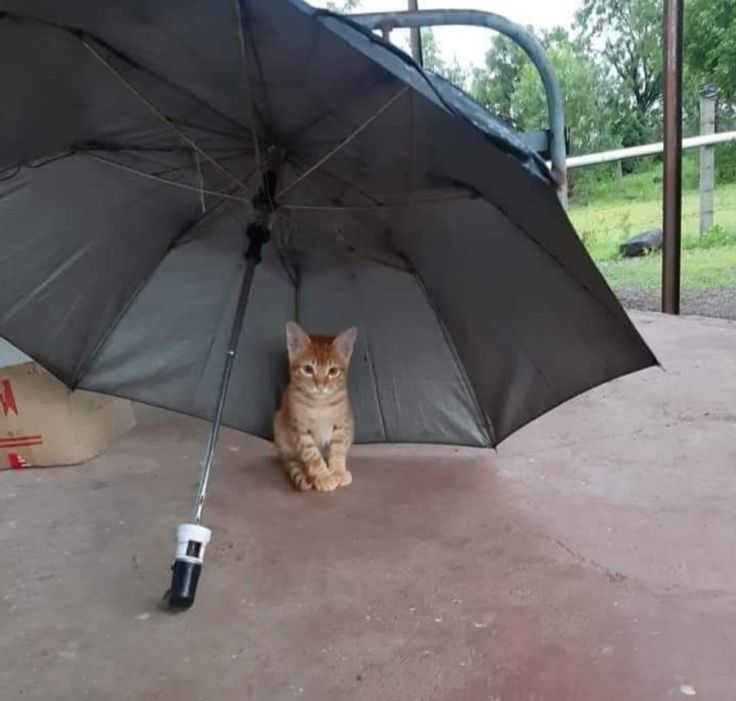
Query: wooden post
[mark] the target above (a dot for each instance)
(619, 172)
(708, 99)
(416, 37)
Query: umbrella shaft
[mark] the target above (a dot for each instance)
(232, 346)
(258, 233)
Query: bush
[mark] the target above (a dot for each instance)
(726, 163)
(715, 237)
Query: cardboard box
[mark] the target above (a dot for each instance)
(42, 423)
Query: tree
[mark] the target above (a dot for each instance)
(511, 88)
(585, 93)
(343, 5)
(434, 62)
(627, 35)
(710, 43)
(494, 85)
(710, 57)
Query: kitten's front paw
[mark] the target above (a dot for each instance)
(314, 470)
(327, 483)
(297, 477)
(337, 465)
(345, 478)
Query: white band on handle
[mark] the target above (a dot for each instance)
(191, 532)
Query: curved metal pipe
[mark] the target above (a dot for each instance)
(387, 21)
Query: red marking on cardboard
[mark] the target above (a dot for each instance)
(21, 443)
(20, 439)
(7, 398)
(16, 461)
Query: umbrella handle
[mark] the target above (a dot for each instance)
(192, 540)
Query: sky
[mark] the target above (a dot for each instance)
(469, 44)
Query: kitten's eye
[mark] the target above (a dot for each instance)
(308, 370)
(333, 372)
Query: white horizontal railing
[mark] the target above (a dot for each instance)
(620, 154)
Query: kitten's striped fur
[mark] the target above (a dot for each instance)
(313, 429)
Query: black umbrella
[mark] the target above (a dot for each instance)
(146, 146)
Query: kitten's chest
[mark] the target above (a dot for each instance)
(322, 429)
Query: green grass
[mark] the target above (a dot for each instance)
(613, 211)
(701, 269)
(598, 185)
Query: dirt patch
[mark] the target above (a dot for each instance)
(717, 302)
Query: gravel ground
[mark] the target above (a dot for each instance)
(717, 301)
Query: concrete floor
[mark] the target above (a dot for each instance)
(593, 557)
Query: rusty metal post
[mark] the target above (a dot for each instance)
(416, 36)
(672, 204)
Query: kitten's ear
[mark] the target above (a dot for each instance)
(344, 343)
(296, 338)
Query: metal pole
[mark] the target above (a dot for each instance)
(620, 154)
(232, 347)
(416, 36)
(672, 205)
(708, 96)
(193, 538)
(526, 40)
(258, 233)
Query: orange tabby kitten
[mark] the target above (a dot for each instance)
(313, 429)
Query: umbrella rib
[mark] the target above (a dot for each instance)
(80, 35)
(202, 203)
(172, 183)
(405, 268)
(168, 168)
(87, 362)
(379, 205)
(249, 81)
(134, 148)
(204, 215)
(280, 244)
(266, 119)
(166, 120)
(209, 130)
(485, 420)
(343, 143)
(343, 182)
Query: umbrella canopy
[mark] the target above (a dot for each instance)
(132, 140)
